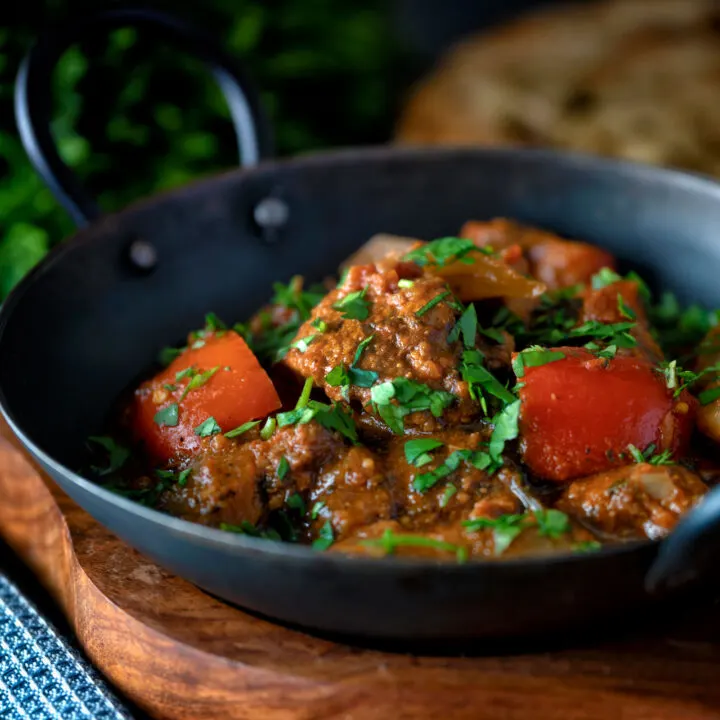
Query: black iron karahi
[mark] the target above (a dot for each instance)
(92, 316)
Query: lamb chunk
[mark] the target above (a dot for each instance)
(404, 344)
(554, 261)
(635, 501)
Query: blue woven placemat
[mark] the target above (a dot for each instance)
(41, 676)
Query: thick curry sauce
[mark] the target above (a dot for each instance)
(499, 393)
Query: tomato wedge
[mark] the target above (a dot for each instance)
(221, 379)
(580, 414)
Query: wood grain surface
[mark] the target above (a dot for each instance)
(179, 653)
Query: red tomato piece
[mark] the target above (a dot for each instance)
(238, 391)
(578, 415)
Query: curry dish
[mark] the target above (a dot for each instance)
(504, 392)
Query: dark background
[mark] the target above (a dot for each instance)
(133, 116)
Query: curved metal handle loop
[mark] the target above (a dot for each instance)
(33, 95)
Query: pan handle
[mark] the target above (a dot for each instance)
(690, 553)
(33, 95)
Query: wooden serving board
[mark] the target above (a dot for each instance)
(179, 653)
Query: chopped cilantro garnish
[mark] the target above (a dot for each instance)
(354, 306)
(319, 325)
(505, 529)
(296, 502)
(117, 454)
(417, 452)
(168, 416)
(198, 380)
(585, 546)
(168, 354)
(268, 428)
(506, 429)
(188, 372)
(390, 540)
(394, 399)
(214, 323)
(648, 456)
(624, 309)
(432, 303)
(534, 356)
(604, 277)
(303, 343)
(247, 528)
(440, 252)
(467, 326)
(613, 333)
(305, 393)
(283, 468)
(477, 458)
(316, 508)
(677, 328)
(481, 381)
(340, 377)
(448, 492)
(405, 283)
(293, 297)
(604, 353)
(552, 523)
(709, 395)
(241, 429)
(208, 427)
(180, 478)
(325, 537)
(169, 387)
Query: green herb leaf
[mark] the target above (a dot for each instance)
(405, 283)
(188, 372)
(477, 458)
(408, 396)
(441, 251)
(338, 377)
(585, 546)
(432, 303)
(198, 380)
(648, 456)
(247, 528)
(604, 277)
(296, 502)
(117, 454)
(417, 452)
(293, 297)
(506, 429)
(316, 508)
(505, 529)
(168, 416)
(303, 343)
(709, 395)
(213, 323)
(183, 477)
(390, 540)
(305, 393)
(534, 357)
(624, 309)
(268, 428)
(168, 354)
(448, 492)
(552, 523)
(325, 537)
(467, 325)
(283, 468)
(319, 325)
(354, 306)
(241, 429)
(481, 381)
(208, 427)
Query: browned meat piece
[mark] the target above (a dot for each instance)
(404, 344)
(556, 262)
(636, 501)
(350, 492)
(466, 491)
(233, 482)
(603, 305)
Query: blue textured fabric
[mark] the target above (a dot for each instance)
(41, 677)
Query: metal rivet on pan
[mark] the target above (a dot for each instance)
(142, 255)
(271, 214)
